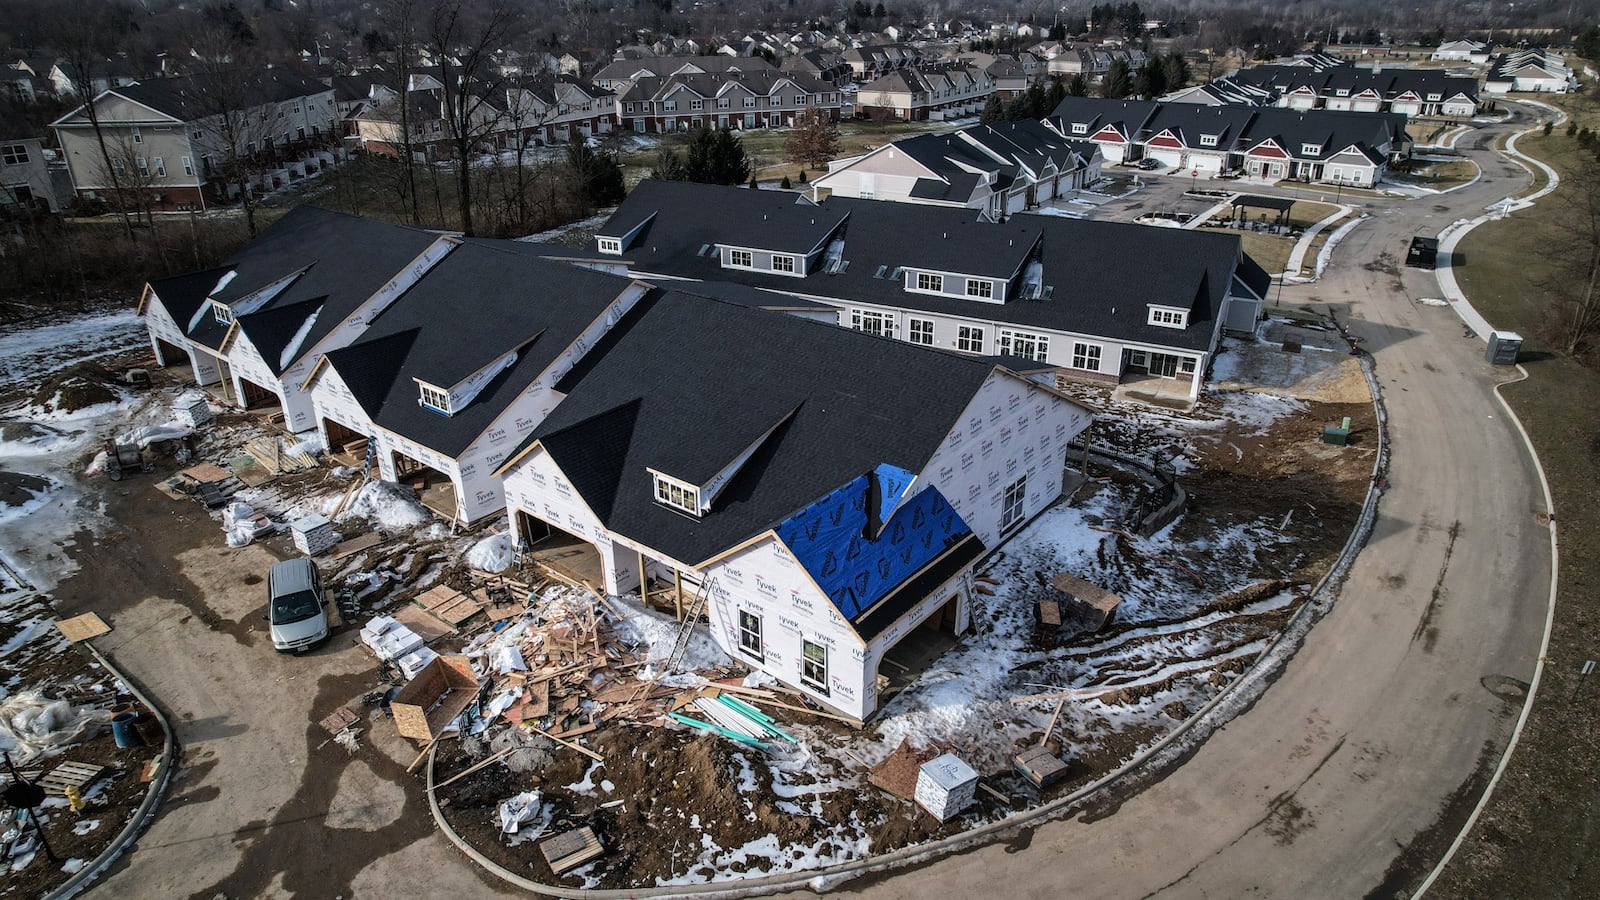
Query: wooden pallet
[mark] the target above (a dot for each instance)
(450, 605)
(571, 849)
(70, 774)
(356, 545)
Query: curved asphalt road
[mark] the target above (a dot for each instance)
(1353, 772)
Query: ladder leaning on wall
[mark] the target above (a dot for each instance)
(691, 615)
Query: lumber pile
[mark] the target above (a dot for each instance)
(269, 452)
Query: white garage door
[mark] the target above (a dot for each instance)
(1167, 157)
(1207, 165)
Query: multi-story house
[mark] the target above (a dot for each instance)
(819, 495)
(936, 92)
(1347, 87)
(1055, 292)
(24, 178)
(169, 138)
(761, 99)
(617, 76)
(1319, 145)
(1002, 168)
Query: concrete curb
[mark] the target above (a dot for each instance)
(1137, 773)
(1297, 256)
(152, 798)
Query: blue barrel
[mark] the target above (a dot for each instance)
(123, 730)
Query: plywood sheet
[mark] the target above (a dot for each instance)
(82, 628)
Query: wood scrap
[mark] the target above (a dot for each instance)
(492, 758)
(581, 749)
(82, 628)
(1053, 719)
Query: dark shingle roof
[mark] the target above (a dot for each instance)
(1102, 274)
(188, 97)
(342, 258)
(494, 301)
(182, 295)
(643, 401)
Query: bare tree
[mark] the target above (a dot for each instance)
(229, 93)
(84, 34)
(400, 19)
(1574, 283)
(470, 31)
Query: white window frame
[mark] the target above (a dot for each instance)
(750, 642)
(161, 167)
(676, 494)
(436, 399)
(1013, 504)
(970, 339)
(609, 245)
(1310, 149)
(927, 282)
(222, 313)
(1080, 128)
(872, 321)
(1168, 318)
(138, 136)
(919, 331)
(749, 103)
(143, 165)
(1086, 356)
(980, 288)
(15, 154)
(188, 165)
(1010, 339)
(1208, 140)
(814, 672)
(1187, 365)
(735, 256)
(783, 263)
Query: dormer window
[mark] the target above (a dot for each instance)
(929, 282)
(610, 245)
(1208, 140)
(676, 494)
(741, 259)
(783, 264)
(983, 290)
(1080, 128)
(435, 399)
(1168, 318)
(1435, 96)
(1343, 92)
(1310, 149)
(222, 313)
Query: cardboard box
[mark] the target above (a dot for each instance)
(434, 698)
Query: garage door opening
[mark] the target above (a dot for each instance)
(562, 551)
(170, 355)
(346, 446)
(902, 663)
(257, 398)
(434, 488)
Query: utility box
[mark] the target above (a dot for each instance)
(1338, 435)
(1424, 252)
(1503, 348)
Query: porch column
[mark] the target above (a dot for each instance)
(644, 581)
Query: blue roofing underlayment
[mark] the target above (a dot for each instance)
(855, 568)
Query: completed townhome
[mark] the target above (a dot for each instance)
(168, 139)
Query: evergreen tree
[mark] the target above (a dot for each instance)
(716, 156)
(598, 172)
(1078, 87)
(1053, 97)
(1151, 80)
(1118, 81)
(993, 111)
(1177, 71)
(1587, 43)
(1036, 106)
(786, 184)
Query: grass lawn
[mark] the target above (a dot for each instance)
(1268, 250)
(1538, 836)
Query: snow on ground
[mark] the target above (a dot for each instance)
(545, 237)
(31, 353)
(392, 506)
(660, 632)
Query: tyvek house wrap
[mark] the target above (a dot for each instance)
(856, 567)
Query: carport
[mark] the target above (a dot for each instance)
(1277, 206)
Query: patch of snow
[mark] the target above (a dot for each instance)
(72, 866)
(31, 353)
(492, 554)
(391, 505)
(85, 826)
(660, 632)
(292, 349)
(587, 785)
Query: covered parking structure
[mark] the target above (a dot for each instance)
(1274, 208)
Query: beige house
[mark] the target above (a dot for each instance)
(24, 179)
(168, 140)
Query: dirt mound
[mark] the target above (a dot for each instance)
(74, 389)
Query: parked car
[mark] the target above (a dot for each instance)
(297, 606)
(1148, 164)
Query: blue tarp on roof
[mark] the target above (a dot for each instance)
(829, 538)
